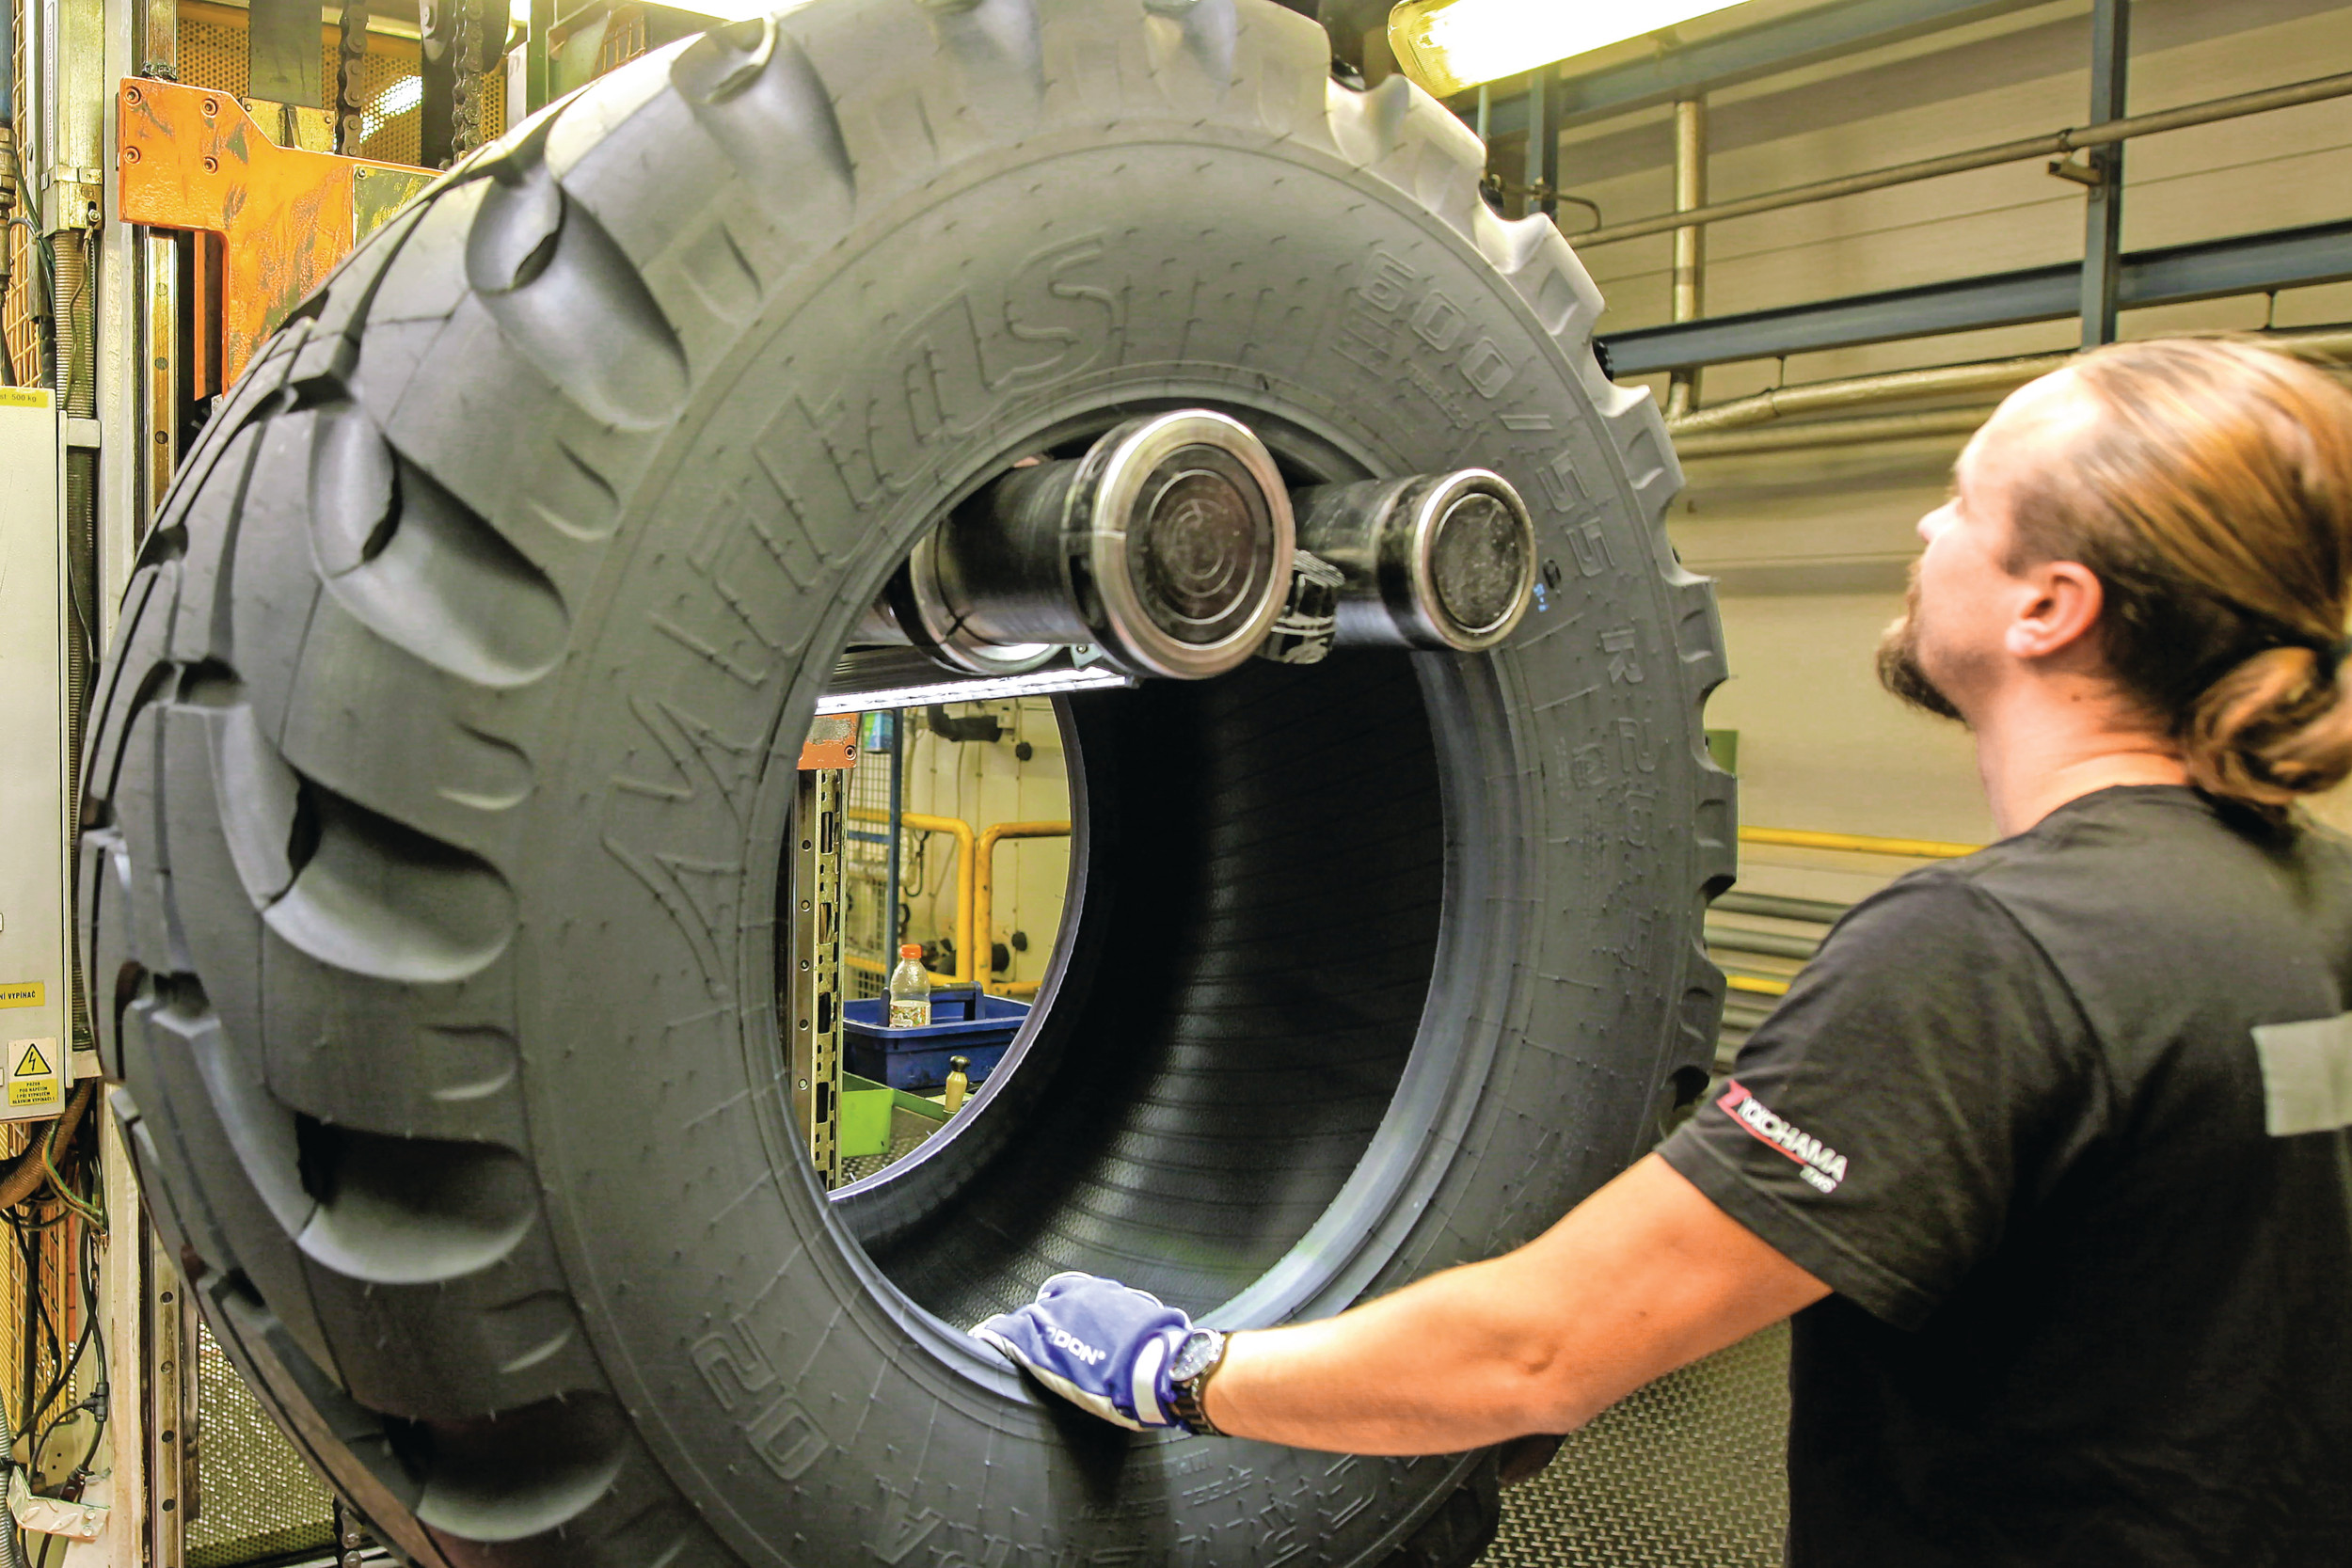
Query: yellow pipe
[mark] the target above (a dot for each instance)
(1757, 984)
(984, 866)
(1804, 838)
(962, 831)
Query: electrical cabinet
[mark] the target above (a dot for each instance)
(36, 829)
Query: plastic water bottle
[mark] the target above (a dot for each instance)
(909, 991)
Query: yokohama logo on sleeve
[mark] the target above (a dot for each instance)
(1818, 1165)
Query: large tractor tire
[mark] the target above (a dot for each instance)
(439, 782)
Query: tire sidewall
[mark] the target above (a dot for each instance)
(809, 1411)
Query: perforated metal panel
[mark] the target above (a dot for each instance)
(1690, 1472)
(260, 1498)
(212, 54)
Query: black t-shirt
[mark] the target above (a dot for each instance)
(2064, 1126)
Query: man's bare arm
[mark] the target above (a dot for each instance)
(1644, 1277)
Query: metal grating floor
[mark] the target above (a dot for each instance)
(260, 1499)
(1689, 1472)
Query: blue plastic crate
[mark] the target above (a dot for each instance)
(965, 1022)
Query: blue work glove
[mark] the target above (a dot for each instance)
(1099, 1344)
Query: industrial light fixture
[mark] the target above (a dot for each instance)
(724, 10)
(1447, 45)
(1037, 683)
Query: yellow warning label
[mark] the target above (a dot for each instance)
(24, 397)
(34, 1083)
(29, 994)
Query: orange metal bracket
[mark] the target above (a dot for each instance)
(271, 221)
(832, 742)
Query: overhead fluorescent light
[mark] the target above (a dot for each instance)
(979, 689)
(1447, 45)
(726, 10)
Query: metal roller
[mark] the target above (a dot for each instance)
(1433, 560)
(1168, 545)
(895, 619)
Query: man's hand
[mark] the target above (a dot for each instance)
(1099, 1344)
(1645, 1276)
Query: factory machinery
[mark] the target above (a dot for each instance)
(458, 882)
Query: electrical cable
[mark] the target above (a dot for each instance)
(85, 613)
(97, 1402)
(43, 254)
(88, 1209)
(11, 1553)
(7, 354)
(59, 1385)
(68, 372)
(41, 1330)
(67, 1364)
(9, 1556)
(37, 251)
(22, 1175)
(35, 1320)
(1592, 207)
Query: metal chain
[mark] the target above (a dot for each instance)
(353, 57)
(466, 88)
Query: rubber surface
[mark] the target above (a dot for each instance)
(1263, 874)
(440, 773)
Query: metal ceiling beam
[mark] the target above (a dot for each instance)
(1686, 69)
(2248, 263)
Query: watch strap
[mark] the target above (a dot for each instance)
(1189, 1405)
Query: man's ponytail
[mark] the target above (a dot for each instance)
(2276, 726)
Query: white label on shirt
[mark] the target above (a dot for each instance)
(2307, 1075)
(1818, 1164)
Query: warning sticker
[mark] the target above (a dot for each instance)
(35, 1077)
(24, 397)
(27, 994)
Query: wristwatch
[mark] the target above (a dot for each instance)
(1197, 1357)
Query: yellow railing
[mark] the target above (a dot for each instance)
(984, 884)
(962, 832)
(1805, 838)
(1865, 844)
(976, 887)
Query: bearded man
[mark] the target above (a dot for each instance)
(2046, 1152)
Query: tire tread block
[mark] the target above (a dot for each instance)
(183, 1063)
